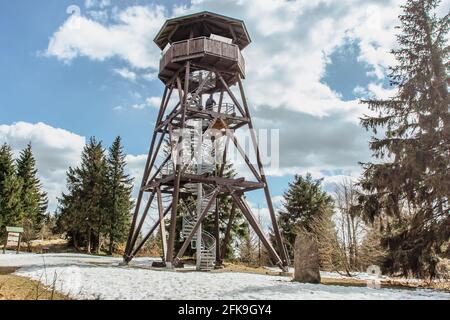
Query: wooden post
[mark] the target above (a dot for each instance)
(162, 225)
(177, 176)
(251, 219)
(276, 229)
(227, 236)
(18, 244)
(153, 228)
(147, 170)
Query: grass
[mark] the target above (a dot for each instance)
(14, 287)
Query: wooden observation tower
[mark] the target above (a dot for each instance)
(201, 56)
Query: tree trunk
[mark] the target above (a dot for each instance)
(111, 241)
(355, 245)
(88, 245)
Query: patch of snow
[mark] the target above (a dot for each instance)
(92, 277)
(354, 275)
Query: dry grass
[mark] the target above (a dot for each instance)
(238, 267)
(13, 287)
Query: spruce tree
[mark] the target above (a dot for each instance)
(410, 180)
(118, 199)
(69, 218)
(10, 190)
(81, 210)
(92, 173)
(304, 202)
(33, 199)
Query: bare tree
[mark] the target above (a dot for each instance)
(349, 223)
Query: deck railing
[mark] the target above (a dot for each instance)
(201, 45)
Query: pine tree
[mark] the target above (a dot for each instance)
(304, 202)
(410, 181)
(33, 199)
(81, 211)
(10, 190)
(118, 200)
(69, 217)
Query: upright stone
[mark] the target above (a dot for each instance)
(306, 259)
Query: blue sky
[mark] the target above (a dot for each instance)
(308, 65)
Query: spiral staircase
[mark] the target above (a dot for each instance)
(207, 242)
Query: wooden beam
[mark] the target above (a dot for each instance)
(233, 34)
(177, 176)
(162, 225)
(141, 222)
(169, 37)
(227, 236)
(244, 155)
(220, 101)
(276, 229)
(148, 235)
(253, 222)
(147, 170)
(232, 96)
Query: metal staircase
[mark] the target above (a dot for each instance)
(208, 242)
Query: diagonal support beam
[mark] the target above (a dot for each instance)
(162, 225)
(227, 236)
(276, 229)
(176, 189)
(147, 171)
(141, 222)
(232, 96)
(148, 235)
(253, 222)
(243, 154)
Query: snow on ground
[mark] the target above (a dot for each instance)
(92, 277)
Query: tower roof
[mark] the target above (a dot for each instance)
(203, 24)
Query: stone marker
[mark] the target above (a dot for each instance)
(306, 259)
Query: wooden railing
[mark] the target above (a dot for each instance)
(201, 45)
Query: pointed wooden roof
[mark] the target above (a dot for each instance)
(203, 24)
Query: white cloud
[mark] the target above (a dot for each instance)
(154, 102)
(375, 91)
(292, 43)
(126, 73)
(99, 15)
(135, 168)
(138, 106)
(129, 37)
(97, 3)
(55, 151)
(150, 76)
